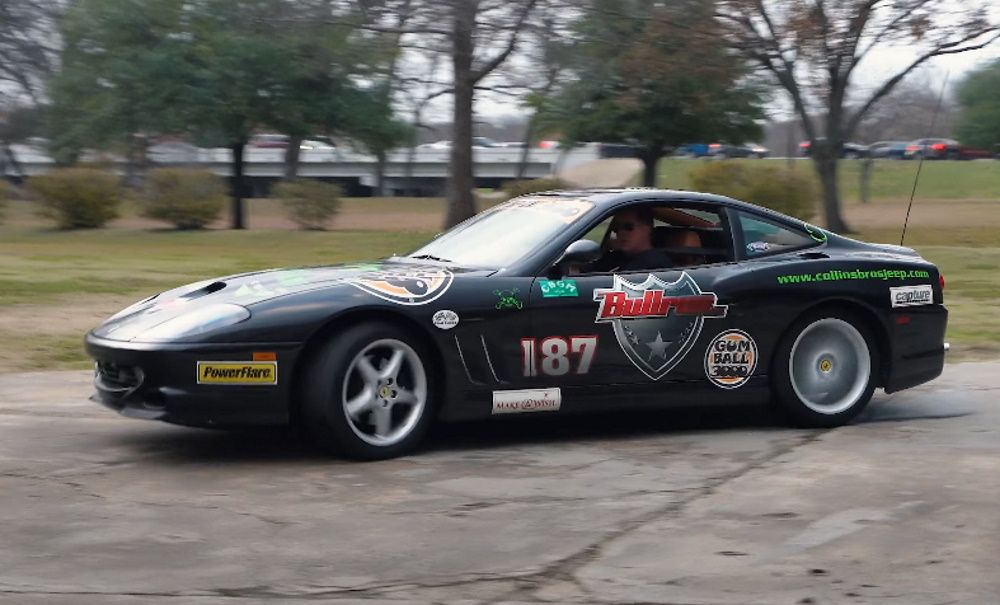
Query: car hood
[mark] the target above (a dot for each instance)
(399, 281)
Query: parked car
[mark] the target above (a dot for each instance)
(944, 149)
(280, 141)
(724, 150)
(694, 150)
(849, 151)
(752, 307)
(887, 149)
(477, 143)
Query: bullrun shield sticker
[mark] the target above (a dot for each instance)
(405, 286)
(731, 359)
(656, 323)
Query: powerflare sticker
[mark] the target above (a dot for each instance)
(731, 359)
(558, 288)
(238, 373)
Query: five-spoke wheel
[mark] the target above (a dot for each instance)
(368, 392)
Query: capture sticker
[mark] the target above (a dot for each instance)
(237, 373)
(527, 400)
(731, 359)
(552, 288)
(911, 296)
(445, 319)
(656, 323)
(405, 286)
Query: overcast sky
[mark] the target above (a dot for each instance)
(880, 65)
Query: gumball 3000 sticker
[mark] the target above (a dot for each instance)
(731, 359)
(405, 286)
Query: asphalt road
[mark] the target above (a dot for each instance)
(695, 507)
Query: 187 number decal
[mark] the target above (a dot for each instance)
(551, 356)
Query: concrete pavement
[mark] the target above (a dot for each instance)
(694, 507)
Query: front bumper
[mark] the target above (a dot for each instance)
(160, 382)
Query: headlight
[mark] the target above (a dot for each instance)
(198, 321)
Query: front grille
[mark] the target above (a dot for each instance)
(116, 377)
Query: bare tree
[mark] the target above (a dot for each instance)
(472, 23)
(812, 49)
(908, 111)
(29, 43)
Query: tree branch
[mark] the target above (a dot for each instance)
(478, 74)
(949, 48)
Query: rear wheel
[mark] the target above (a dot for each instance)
(368, 393)
(826, 368)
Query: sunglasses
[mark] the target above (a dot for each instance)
(626, 226)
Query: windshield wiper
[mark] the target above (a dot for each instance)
(432, 257)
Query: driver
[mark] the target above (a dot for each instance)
(631, 244)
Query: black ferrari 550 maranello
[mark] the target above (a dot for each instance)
(534, 306)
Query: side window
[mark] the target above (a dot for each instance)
(597, 233)
(761, 236)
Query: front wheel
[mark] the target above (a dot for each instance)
(825, 370)
(368, 392)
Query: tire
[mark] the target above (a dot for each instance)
(825, 369)
(368, 393)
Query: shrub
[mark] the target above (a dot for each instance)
(188, 199)
(720, 177)
(77, 198)
(786, 191)
(308, 202)
(516, 188)
(6, 192)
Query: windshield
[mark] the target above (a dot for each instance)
(502, 235)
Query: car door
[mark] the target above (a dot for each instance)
(619, 328)
(634, 327)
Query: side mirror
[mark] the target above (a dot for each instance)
(580, 251)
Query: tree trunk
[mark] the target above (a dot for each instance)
(866, 179)
(826, 168)
(461, 204)
(238, 188)
(380, 159)
(135, 160)
(10, 157)
(292, 154)
(650, 159)
(529, 135)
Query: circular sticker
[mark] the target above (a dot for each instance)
(731, 359)
(445, 319)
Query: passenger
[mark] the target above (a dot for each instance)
(631, 245)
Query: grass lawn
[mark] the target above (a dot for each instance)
(56, 285)
(891, 180)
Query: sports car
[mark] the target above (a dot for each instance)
(507, 314)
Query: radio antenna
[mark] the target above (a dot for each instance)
(923, 154)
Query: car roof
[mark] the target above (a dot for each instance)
(605, 199)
